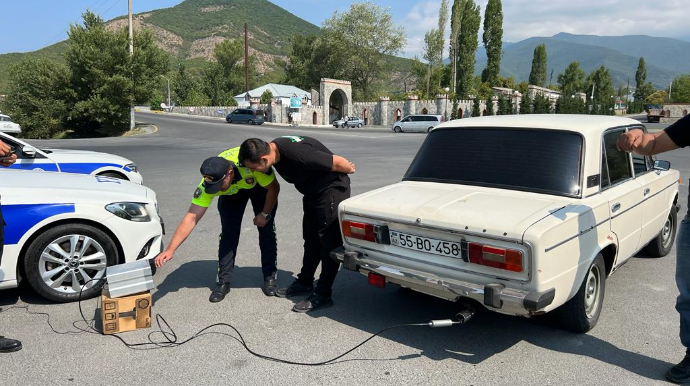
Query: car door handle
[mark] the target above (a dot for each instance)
(646, 192)
(615, 207)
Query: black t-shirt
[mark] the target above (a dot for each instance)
(679, 132)
(307, 163)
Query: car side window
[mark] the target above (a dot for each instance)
(617, 160)
(605, 181)
(640, 164)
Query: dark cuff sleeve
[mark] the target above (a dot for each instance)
(679, 132)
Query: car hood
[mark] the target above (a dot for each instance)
(495, 212)
(85, 156)
(28, 186)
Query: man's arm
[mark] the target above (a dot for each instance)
(273, 189)
(646, 144)
(342, 165)
(184, 229)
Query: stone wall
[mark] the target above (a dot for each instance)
(674, 111)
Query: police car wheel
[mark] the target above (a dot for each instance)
(251, 122)
(69, 259)
(397, 129)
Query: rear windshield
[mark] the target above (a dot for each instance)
(543, 161)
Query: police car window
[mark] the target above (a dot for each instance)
(604, 170)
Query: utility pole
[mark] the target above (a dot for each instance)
(246, 59)
(670, 88)
(131, 56)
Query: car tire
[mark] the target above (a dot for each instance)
(397, 129)
(114, 175)
(101, 251)
(251, 121)
(228, 120)
(359, 125)
(581, 313)
(344, 125)
(662, 244)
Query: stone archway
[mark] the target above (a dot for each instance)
(337, 99)
(685, 112)
(314, 118)
(397, 115)
(667, 114)
(425, 111)
(459, 112)
(365, 116)
(483, 112)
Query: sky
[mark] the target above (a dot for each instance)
(29, 25)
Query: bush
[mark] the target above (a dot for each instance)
(266, 97)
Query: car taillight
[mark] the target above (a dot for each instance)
(508, 259)
(376, 280)
(358, 230)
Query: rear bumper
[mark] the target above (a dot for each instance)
(495, 297)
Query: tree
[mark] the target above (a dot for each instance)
(36, 96)
(537, 76)
(541, 104)
(640, 79)
(433, 47)
(680, 89)
(467, 47)
(182, 84)
(492, 38)
(455, 24)
(266, 97)
(476, 107)
(504, 107)
(526, 104)
(198, 98)
(572, 80)
(490, 106)
(603, 100)
(656, 98)
(368, 31)
(104, 79)
(311, 59)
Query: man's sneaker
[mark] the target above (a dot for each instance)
(9, 345)
(680, 373)
(294, 289)
(219, 293)
(313, 302)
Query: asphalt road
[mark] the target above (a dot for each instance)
(635, 342)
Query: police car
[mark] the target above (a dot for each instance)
(63, 230)
(7, 126)
(71, 161)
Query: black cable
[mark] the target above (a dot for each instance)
(171, 339)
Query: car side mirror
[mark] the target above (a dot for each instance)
(29, 151)
(662, 165)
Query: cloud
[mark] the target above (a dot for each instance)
(528, 18)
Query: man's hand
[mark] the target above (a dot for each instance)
(260, 220)
(352, 168)
(6, 156)
(163, 258)
(631, 140)
(7, 161)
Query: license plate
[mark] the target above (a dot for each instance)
(426, 244)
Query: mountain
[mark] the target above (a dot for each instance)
(190, 30)
(562, 49)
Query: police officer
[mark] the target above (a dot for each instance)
(322, 177)
(224, 177)
(6, 159)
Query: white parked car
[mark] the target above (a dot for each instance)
(64, 229)
(7, 126)
(71, 161)
(523, 214)
(419, 123)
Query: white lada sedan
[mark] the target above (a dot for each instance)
(63, 230)
(71, 161)
(523, 214)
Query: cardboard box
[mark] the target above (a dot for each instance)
(127, 313)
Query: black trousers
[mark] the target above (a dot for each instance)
(231, 209)
(2, 233)
(321, 233)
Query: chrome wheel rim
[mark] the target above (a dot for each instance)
(666, 232)
(592, 291)
(71, 261)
